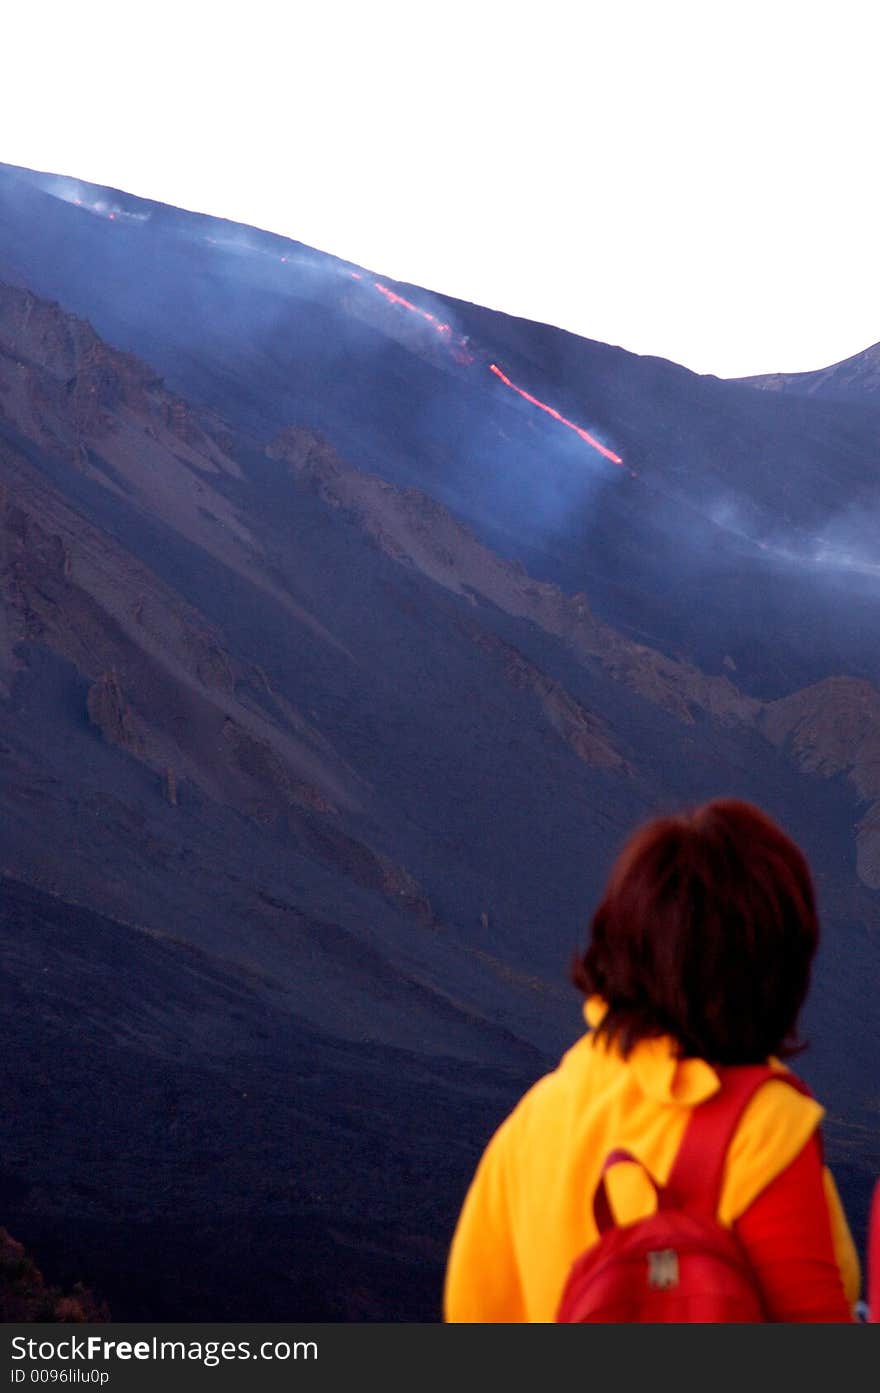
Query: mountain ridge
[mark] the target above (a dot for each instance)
(348, 669)
(855, 377)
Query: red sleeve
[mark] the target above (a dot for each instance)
(874, 1256)
(786, 1232)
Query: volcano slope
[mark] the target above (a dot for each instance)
(333, 674)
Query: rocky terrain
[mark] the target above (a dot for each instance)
(332, 675)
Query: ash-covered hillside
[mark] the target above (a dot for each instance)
(345, 632)
(854, 379)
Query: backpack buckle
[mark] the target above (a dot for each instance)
(663, 1269)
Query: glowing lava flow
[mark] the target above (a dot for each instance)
(461, 352)
(579, 430)
(399, 300)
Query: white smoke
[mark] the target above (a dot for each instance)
(82, 196)
(849, 541)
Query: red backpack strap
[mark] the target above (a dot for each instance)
(602, 1215)
(695, 1179)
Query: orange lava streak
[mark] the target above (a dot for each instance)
(462, 355)
(399, 300)
(396, 299)
(584, 434)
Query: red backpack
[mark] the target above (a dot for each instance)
(680, 1264)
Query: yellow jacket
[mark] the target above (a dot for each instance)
(527, 1214)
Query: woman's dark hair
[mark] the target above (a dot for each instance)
(706, 932)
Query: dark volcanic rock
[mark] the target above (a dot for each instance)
(109, 711)
(834, 728)
(378, 701)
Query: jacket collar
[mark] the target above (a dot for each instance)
(659, 1072)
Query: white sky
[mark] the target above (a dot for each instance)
(689, 178)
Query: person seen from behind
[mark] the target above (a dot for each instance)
(698, 962)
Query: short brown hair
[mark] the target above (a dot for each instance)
(706, 932)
